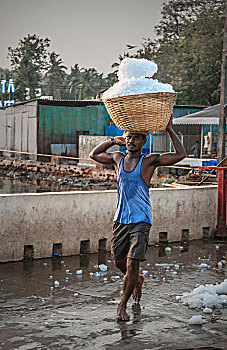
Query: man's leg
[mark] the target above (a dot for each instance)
(137, 293)
(121, 264)
(130, 282)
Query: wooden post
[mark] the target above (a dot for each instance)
(222, 189)
(223, 101)
(201, 143)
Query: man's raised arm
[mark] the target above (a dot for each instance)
(99, 152)
(178, 155)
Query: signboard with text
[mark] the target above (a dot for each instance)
(7, 88)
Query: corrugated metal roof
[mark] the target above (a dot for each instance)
(208, 116)
(72, 103)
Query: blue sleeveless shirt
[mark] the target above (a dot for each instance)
(133, 196)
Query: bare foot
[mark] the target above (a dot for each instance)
(137, 293)
(122, 314)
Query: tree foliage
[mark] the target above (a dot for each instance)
(28, 62)
(188, 49)
(87, 83)
(55, 77)
(33, 67)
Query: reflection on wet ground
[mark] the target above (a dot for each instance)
(79, 312)
(9, 186)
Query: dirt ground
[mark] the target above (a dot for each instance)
(79, 313)
(21, 176)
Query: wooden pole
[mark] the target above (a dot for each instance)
(223, 101)
(201, 142)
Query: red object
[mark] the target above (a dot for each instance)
(222, 197)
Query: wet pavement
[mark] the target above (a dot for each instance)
(10, 186)
(79, 313)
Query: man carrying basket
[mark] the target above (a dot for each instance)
(133, 217)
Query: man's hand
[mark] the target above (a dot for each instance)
(170, 124)
(119, 140)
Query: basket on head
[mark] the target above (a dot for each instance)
(150, 111)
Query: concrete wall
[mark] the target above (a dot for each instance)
(44, 219)
(18, 128)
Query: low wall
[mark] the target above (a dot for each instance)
(82, 221)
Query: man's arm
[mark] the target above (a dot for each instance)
(175, 157)
(100, 155)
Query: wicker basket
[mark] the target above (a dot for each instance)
(141, 112)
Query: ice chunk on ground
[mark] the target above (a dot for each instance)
(97, 274)
(211, 301)
(217, 247)
(103, 267)
(208, 295)
(203, 265)
(220, 265)
(56, 283)
(207, 310)
(196, 320)
(115, 277)
(221, 288)
(167, 249)
(79, 272)
(164, 265)
(66, 271)
(144, 272)
(75, 294)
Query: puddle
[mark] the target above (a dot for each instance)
(10, 186)
(80, 311)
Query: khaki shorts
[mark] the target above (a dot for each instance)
(130, 240)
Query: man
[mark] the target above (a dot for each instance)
(196, 149)
(133, 216)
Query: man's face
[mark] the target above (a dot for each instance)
(134, 142)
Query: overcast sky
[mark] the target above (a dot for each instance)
(91, 33)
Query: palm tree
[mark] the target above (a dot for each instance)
(74, 81)
(55, 76)
(88, 80)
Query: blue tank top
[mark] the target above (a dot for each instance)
(133, 196)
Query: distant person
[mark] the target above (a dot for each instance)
(133, 216)
(196, 149)
(206, 144)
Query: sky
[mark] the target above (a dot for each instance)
(91, 33)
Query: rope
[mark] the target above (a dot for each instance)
(44, 155)
(75, 158)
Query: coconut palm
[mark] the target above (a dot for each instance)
(55, 78)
